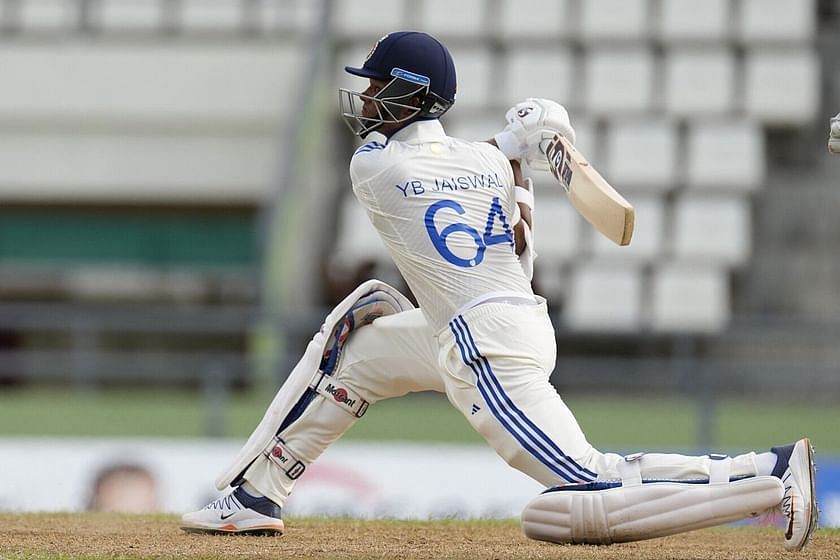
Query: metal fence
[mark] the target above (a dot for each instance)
(74, 344)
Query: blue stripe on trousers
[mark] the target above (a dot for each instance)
(511, 417)
(514, 408)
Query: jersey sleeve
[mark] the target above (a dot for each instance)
(368, 160)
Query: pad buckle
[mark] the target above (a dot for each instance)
(279, 454)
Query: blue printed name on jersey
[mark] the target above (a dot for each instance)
(415, 187)
(482, 181)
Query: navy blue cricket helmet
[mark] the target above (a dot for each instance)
(413, 64)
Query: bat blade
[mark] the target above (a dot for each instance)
(591, 195)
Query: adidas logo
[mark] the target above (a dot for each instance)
(475, 408)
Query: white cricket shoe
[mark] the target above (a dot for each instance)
(799, 503)
(834, 138)
(239, 513)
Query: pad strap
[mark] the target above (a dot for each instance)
(339, 394)
(630, 470)
(279, 454)
(719, 469)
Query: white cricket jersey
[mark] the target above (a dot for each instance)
(445, 209)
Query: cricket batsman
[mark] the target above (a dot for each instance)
(834, 135)
(456, 217)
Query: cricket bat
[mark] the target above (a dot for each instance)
(590, 193)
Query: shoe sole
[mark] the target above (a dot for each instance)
(265, 531)
(813, 518)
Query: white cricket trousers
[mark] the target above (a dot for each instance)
(493, 362)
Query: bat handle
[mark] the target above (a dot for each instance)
(549, 141)
(545, 144)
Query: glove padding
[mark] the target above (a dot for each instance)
(531, 123)
(834, 138)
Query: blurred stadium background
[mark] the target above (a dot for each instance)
(176, 218)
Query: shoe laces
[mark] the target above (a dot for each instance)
(224, 503)
(788, 499)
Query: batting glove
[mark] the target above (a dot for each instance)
(834, 138)
(531, 123)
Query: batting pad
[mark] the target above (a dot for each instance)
(372, 299)
(644, 511)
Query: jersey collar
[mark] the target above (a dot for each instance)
(420, 132)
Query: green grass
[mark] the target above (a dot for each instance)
(609, 422)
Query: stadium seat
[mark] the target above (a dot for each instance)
(129, 15)
(48, 15)
(619, 81)
(147, 167)
(447, 19)
(725, 155)
(533, 19)
(477, 85)
(777, 20)
(641, 154)
(689, 298)
(610, 20)
(120, 81)
(219, 15)
(540, 72)
(699, 82)
(288, 15)
(707, 21)
(473, 126)
(557, 227)
(604, 296)
(782, 87)
(648, 234)
(352, 18)
(587, 138)
(715, 229)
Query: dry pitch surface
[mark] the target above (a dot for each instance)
(93, 536)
